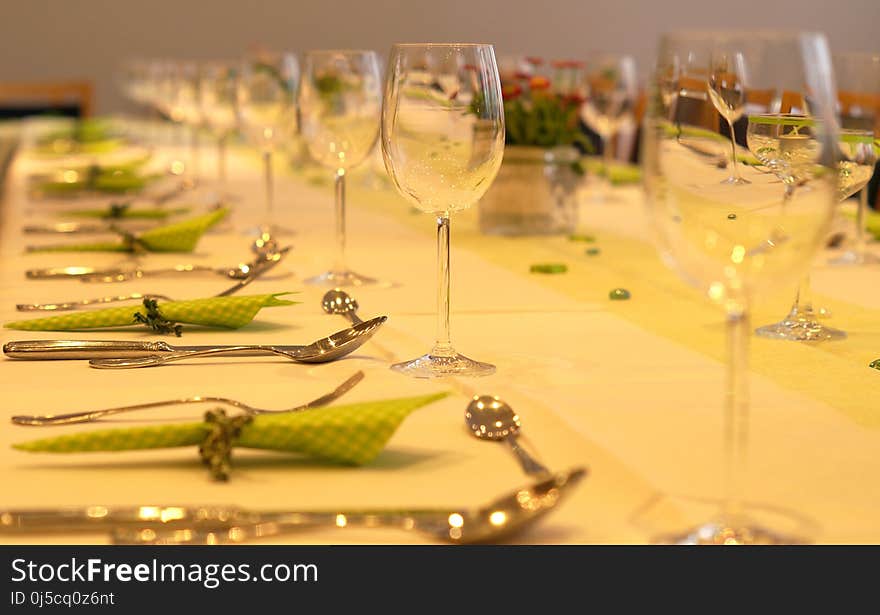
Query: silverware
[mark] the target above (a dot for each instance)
(338, 301)
(503, 517)
(258, 268)
(92, 415)
(489, 418)
(323, 350)
(84, 228)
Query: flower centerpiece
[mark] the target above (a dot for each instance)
(534, 192)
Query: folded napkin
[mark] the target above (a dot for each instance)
(115, 181)
(352, 434)
(618, 174)
(178, 237)
(122, 211)
(230, 312)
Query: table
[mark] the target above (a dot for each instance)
(631, 389)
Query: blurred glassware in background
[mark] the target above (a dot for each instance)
(217, 100)
(858, 91)
(734, 239)
(611, 94)
(339, 104)
(267, 92)
(443, 141)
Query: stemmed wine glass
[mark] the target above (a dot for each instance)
(784, 144)
(734, 240)
(339, 101)
(217, 101)
(611, 92)
(727, 91)
(267, 88)
(858, 83)
(442, 141)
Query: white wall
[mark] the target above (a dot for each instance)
(42, 39)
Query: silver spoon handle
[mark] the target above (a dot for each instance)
(136, 274)
(74, 305)
(91, 415)
(181, 355)
(529, 464)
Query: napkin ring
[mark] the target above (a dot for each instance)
(216, 449)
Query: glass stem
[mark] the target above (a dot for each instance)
(735, 170)
(269, 187)
(194, 151)
(442, 344)
(221, 164)
(803, 302)
(861, 224)
(608, 156)
(340, 221)
(736, 414)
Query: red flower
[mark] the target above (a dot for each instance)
(509, 92)
(539, 83)
(574, 99)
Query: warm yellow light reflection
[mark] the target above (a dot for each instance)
(96, 512)
(498, 518)
(70, 176)
(456, 520)
(341, 521)
(737, 254)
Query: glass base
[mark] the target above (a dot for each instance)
(736, 181)
(341, 278)
(716, 533)
(851, 257)
(804, 328)
(434, 365)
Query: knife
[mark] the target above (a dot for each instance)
(108, 349)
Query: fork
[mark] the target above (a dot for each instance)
(93, 415)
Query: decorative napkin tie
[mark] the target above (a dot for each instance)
(178, 237)
(231, 312)
(350, 434)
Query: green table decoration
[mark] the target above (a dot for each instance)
(549, 268)
(353, 434)
(227, 312)
(619, 294)
(619, 174)
(177, 237)
(126, 211)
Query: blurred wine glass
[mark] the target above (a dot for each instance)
(267, 91)
(339, 102)
(217, 101)
(442, 142)
(727, 91)
(611, 92)
(735, 240)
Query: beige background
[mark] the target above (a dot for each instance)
(43, 39)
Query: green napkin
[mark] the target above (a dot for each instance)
(114, 181)
(230, 312)
(178, 237)
(353, 434)
(619, 173)
(872, 222)
(123, 212)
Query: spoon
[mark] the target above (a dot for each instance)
(338, 301)
(323, 350)
(503, 517)
(489, 418)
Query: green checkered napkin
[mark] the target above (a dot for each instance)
(352, 434)
(230, 312)
(618, 174)
(178, 237)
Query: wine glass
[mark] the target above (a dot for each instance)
(727, 91)
(442, 142)
(858, 82)
(339, 101)
(735, 240)
(217, 101)
(267, 88)
(611, 93)
(784, 143)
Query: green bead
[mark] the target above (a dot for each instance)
(619, 294)
(592, 251)
(731, 216)
(583, 238)
(549, 268)
(875, 364)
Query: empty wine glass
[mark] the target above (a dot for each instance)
(785, 144)
(611, 92)
(727, 91)
(267, 88)
(339, 102)
(442, 142)
(735, 240)
(858, 83)
(217, 101)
